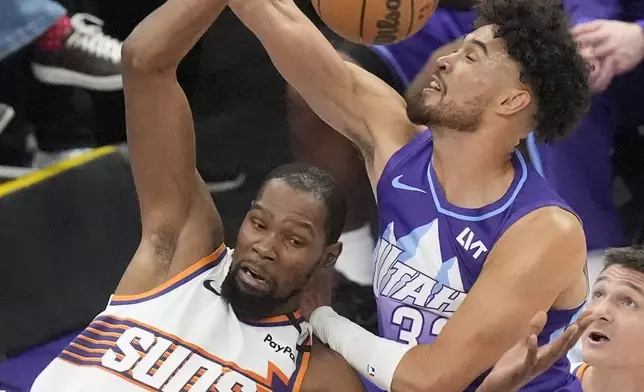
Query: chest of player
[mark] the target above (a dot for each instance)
(191, 337)
(263, 360)
(429, 253)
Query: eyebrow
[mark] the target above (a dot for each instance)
(633, 286)
(601, 279)
(476, 42)
(303, 224)
(256, 206)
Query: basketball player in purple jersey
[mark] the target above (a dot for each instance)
(469, 232)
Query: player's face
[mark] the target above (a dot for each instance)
(616, 339)
(463, 84)
(281, 243)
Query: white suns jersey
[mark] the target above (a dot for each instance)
(182, 336)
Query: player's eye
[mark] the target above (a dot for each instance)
(295, 242)
(258, 225)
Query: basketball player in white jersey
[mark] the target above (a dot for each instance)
(190, 313)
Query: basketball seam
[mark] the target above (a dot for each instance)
(362, 12)
(412, 19)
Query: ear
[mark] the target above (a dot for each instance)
(513, 102)
(331, 254)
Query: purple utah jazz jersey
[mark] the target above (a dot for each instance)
(431, 252)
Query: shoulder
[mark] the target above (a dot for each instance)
(552, 224)
(548, 236)
(548, 226)
(325, 362)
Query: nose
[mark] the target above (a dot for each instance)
(265, 248)
(445, 63)
(602, 310)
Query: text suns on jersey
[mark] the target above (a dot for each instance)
(179, 367)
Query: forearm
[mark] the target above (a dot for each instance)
(373, 357)
(302, 55)
(160, 129)
(164, 37)
(394, 366)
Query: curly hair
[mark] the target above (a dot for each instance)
(537, 36)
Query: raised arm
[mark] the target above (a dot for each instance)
(350, 99)
(180, 224)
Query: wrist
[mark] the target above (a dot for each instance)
(373, 357)
(321, 320)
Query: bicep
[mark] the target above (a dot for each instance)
(180, 224)
(160, 134)
(166, 252)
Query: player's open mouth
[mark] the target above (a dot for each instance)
(252, 278)
(597, 337)
(435, 84)
(253, 274)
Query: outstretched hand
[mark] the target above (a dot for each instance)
(616, 46)
(525, 361)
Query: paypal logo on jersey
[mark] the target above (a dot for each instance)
(399, 185)
(279, 348)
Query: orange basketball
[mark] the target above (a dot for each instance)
(380, 22)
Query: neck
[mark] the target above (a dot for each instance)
(474, 168)
(623, 379)
(292, 305)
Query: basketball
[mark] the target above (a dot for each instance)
(379, 22)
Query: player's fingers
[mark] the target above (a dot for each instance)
(537, 323)
(533, 349)
(551, 352)
(604, 49)
(569, 338)
(586, 28)
(583, 322)
(593, 39)
(602, 76)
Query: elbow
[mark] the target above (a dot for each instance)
(133, 56)
(138, 57)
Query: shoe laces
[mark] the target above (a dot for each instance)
(88, 36)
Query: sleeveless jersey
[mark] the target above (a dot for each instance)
(431, 252)
(182, 336)
(579, 369)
